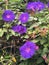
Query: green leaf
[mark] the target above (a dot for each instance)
(23, 63)
(1, 32)
(8, 36)
(15, 0)
(40, 60)
(12, 32)
(0, 0)
(45, 50)
(7, 57)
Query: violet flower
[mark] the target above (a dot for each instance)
(28, 49)
(35, 6)
(8, 15)
(24, 17)
(19, 29)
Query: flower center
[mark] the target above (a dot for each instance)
(8, 16)
(39, 5)
(24, 18)
(27, 50)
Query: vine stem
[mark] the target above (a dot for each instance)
(6, 2)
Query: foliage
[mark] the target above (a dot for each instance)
(37, 31)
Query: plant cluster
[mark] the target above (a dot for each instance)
(24, 33)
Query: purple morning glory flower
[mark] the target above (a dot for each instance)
(31, 6)
(28, 49)
(35, 6)
(40, 6)
(48, 4)
(24, 17)
(19, 29)
(8, 15)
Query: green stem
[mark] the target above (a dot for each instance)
(6, 2)
(6, 7)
